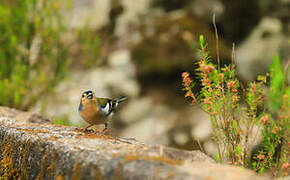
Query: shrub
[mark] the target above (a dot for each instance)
(32, 56)
(234, 124)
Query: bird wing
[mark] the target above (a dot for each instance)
(105, 106)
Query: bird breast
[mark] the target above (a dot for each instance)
(91, 115)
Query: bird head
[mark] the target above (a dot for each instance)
(86, 98)
(87, 95)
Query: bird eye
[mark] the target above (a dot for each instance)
(83, 96)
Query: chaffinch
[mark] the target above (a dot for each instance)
(98, 110)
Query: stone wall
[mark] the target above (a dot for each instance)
(33, 148)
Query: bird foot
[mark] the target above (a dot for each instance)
(105, 130)
(86, 130)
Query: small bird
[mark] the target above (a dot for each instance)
(96, 110)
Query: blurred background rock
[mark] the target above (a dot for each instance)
(51, 51)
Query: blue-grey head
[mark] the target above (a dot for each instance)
(86, 96)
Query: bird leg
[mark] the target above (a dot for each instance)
(106, 126)
(86, 128)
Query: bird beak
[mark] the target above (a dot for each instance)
(90, 96)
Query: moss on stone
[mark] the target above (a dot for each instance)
(77, 171)
(7, 170)
(13, 167)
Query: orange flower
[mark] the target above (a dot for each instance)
(190, 94)
(205, 82)
(202, 67)
(206, 68)
(234, 90)
(209, 68)
(261, 156)
(285, 165)
(213, 113)
(253, 88)
(207, 101)
(185, 75)
(235, 98)
(231, 84)
(264, 119)
(186, 80)
(276, 129)
(226, 69)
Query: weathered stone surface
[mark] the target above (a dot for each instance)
(33, 148)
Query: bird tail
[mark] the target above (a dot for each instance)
(121, 99)
(117, 101)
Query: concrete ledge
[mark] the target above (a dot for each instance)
(32, 148)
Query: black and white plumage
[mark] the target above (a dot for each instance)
(108, 106)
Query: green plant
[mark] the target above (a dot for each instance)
(233, 124)
(32, 56)
(89, 46)
(62, 121)
(276, 125)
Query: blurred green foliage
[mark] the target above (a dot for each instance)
(276, 85)
(275, 142)
(62, 121)
(89, 46)
(32, 56)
